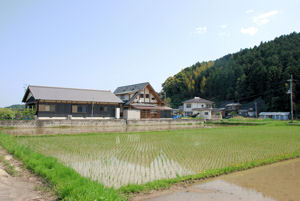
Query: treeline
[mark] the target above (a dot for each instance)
(261, 71)
(17, 114)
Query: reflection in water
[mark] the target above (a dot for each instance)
(217, 190)
(112, 171)
(78, 130)
(276, 182)
(280, 180)
(120, 158)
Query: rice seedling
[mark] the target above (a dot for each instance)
(119, 159)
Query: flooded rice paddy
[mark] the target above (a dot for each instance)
(276, 182)
(79, 130)
(118, 159)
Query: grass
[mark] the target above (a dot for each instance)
(7, 127)
(66, 182)
(142, 161)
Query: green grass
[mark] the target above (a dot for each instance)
(66, 182)
(142, 161)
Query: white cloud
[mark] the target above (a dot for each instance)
(223, 26)
(264, 18)
(249, 11)
(201, 30)
(250, 31)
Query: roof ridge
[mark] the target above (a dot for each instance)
(70, 88)
(134, 84)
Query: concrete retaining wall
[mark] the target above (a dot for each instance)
(96, 123)
(61, 123)
(153, 122)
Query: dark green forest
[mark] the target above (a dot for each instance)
(261, 71)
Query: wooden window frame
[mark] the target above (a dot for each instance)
(51, 106)
(75, 111)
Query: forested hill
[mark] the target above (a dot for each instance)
(261, 71)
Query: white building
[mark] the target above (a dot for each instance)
(198, 107)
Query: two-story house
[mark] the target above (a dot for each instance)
(140, 101)
(198, 107)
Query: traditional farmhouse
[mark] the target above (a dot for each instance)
(142, 102)
(198, 107)
(63, 103)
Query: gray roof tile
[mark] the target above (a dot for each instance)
(72, 94)
(198, 100)
(130, 88)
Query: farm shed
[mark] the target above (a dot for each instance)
(63, 103)
(275, 115)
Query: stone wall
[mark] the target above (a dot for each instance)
(96, 123)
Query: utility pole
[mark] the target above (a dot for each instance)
(291, 93)
(255, 109)
(92, 108)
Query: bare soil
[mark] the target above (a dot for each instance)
(18, 184)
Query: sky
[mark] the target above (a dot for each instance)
(97, 44)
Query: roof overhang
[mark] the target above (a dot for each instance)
(142, 107)
(201, 109)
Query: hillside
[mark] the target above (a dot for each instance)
(261, 71)
(16, 106)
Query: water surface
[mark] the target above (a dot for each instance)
(276, 182)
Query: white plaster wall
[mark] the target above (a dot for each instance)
(132, 114)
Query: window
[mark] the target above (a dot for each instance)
(103, 109)
(154, 111)
(202, 105)
(122, 97)
(46, 108)
(187, 114)
(147, 95)
(153, 98)
(188, 105)
(79, 109)
(141, 95)
(206, 113)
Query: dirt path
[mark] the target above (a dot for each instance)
(18, 184)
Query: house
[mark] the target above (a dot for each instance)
(230, 107)
(198, 107)
(140, 101)
(63, 103)
(252, 109)
(275, 115)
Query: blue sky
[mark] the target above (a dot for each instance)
(106, 44)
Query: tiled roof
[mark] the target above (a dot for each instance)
(71, 94)
(130, 88)
(198, 100)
